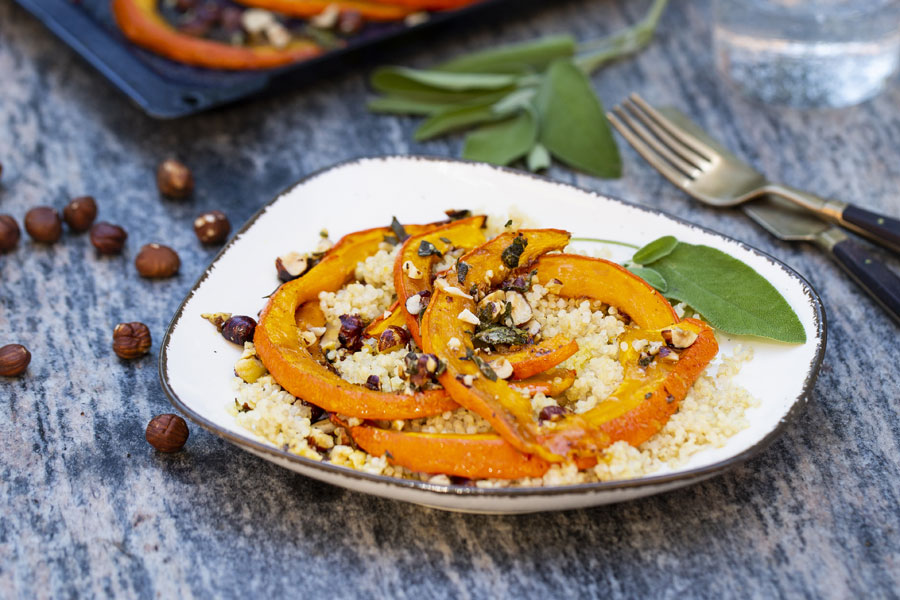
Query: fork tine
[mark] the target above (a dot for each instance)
(648, 138)
(696, 145)
(673, 175)
(683, 151)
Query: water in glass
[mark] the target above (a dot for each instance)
(808, 53)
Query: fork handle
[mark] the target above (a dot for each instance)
(869, 272)
(881, 229)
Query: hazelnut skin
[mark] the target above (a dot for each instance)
(239, 329)
(167, 433)
(9, 233)
(79, 214)
(131, 340)
(212, 227)
(43, 224)
(174, 179)
(14, 359)
(108, 238)
(156, 261)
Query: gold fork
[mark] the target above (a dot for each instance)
(721, 179)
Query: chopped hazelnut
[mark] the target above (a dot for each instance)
(467, 316)
(678, 337)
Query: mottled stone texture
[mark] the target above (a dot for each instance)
(87, 508)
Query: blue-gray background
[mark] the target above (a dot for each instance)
(87, 508)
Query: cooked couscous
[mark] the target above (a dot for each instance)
(712, 411)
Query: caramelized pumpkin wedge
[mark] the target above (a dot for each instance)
(142, 23)
(641, 413)
(373, 11)
(509, 413)
(475, 456)
(283, 352)
(392, 318)
(536, 358)
(550, 383)
(412, 267)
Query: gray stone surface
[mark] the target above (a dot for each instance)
(87, 508)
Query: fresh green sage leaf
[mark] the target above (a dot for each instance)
(514, 58)
(454, 119)
(504, 142)
(538, 158)
(406, 106)
(573, 124)
(655, 250)
(651, 276)
(516, 101)
(387, 79)
(406, 88)
(728, 293)
(593, 55)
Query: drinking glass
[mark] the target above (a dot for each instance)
(807, 53)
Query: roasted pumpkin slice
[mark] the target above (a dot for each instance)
(373, 11)
(532, 359)
(417, 256)
(142, 23)
(287, 357)
(472, 384)
(467, 378)
(550, 383)
(475, 456)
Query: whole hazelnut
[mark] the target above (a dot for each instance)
(79, 214)
(156, 261)
(239, 329)
(131, 340)
(43, 224)
(167, 433)
(108, 238)
(212, 227)
(9, 233)
(174, 179)
(14, 359)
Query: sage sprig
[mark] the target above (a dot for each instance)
(725, 291)
(728, 293)
(529, 102)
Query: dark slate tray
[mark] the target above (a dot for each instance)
(166, 89)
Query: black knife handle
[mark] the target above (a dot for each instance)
(880, 282)
(879, 228)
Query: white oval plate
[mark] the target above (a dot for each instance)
(196, 365)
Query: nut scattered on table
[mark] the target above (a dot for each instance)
(43, 224)
(108, 238)
(156, 261)
(14, 359)
(174, 179)
(239, 329)
(9, 233)
(79, 214)
(212, 227)
(131, 340)
(167, 433)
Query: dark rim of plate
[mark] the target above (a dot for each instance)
(683, 477)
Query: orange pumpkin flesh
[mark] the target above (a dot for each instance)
(465, 233)
(281, 350)
(141, 23)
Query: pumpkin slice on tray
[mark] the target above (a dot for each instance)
(143, 24)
